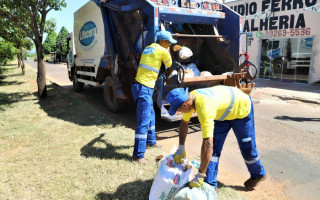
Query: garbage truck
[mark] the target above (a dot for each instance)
(109, 37)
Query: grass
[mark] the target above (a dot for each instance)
(64, 148)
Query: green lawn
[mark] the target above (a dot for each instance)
(64, 148)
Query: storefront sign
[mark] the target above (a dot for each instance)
(271, 21)
(289, 32)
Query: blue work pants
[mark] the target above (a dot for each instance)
(145, 133)
(245, 133)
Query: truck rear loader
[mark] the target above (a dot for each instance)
(110, 35)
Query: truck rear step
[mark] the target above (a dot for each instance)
(88, 82)
(86, 73)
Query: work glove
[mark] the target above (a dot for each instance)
(179, 155)
(197, 181)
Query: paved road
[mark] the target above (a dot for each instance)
(287, 131)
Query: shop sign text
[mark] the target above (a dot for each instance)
(272, 7)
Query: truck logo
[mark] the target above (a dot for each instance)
(88, 33)
(307, 42)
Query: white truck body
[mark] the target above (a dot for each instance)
(89, 36)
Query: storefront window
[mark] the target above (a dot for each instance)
(286, 59)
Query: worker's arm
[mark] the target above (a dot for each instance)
(170, 70)
(181, 153)
(183, 131)
(167, 60)
(206, 154)
(206, 119)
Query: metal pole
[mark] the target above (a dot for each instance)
(200, 36)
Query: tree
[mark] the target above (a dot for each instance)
(7, 51)
(30, 16)
(49, 44)
(61, 42)
(10, 33)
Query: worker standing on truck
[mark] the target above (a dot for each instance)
(219, 109)
(142, 91)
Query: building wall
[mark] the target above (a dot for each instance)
(283, 19)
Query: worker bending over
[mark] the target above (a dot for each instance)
(142, 91)
(219, 109)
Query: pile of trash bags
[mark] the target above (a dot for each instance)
(191, 69)
(171, 182)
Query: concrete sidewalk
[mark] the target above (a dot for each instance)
(286, 91)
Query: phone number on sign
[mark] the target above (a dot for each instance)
(289, 32)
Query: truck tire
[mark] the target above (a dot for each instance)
(277, 66)
(77, 86)
(110, 97)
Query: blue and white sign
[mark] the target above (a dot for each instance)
(307, 42)
(88, 33)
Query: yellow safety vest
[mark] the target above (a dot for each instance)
(218, 103)
(150, 63)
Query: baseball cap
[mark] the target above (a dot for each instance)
(176, 98)
(166, 35)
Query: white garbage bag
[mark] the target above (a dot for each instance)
(205, 192)
(188, 72)
(170, 178)
(205, 73)
(185, 53)
(227, 73)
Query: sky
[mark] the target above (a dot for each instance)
(65, 16)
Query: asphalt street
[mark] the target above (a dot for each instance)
(287, 133)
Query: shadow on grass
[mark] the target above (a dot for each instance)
(6, 83)
(132, 190)
(11, 64)
(109, 152)
(62, 104)
(6, 99)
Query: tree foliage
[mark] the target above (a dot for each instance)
(49, 44)
(10, 33)
(7, 51)
(30, 16)
(61, 43)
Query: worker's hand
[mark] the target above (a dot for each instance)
(197, 181)
(179, 155)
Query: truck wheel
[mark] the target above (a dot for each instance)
(277, 66)
(110, 96)
(77, 86)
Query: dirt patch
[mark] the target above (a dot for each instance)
(270, 189)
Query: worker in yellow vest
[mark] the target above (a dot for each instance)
(219, 109)
(142, 90)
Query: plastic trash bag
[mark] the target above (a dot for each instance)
(170, 178)
(227, 73)
(185, 53)
(194, 69)
(205, 73)
(205, 192)
(188, 72)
